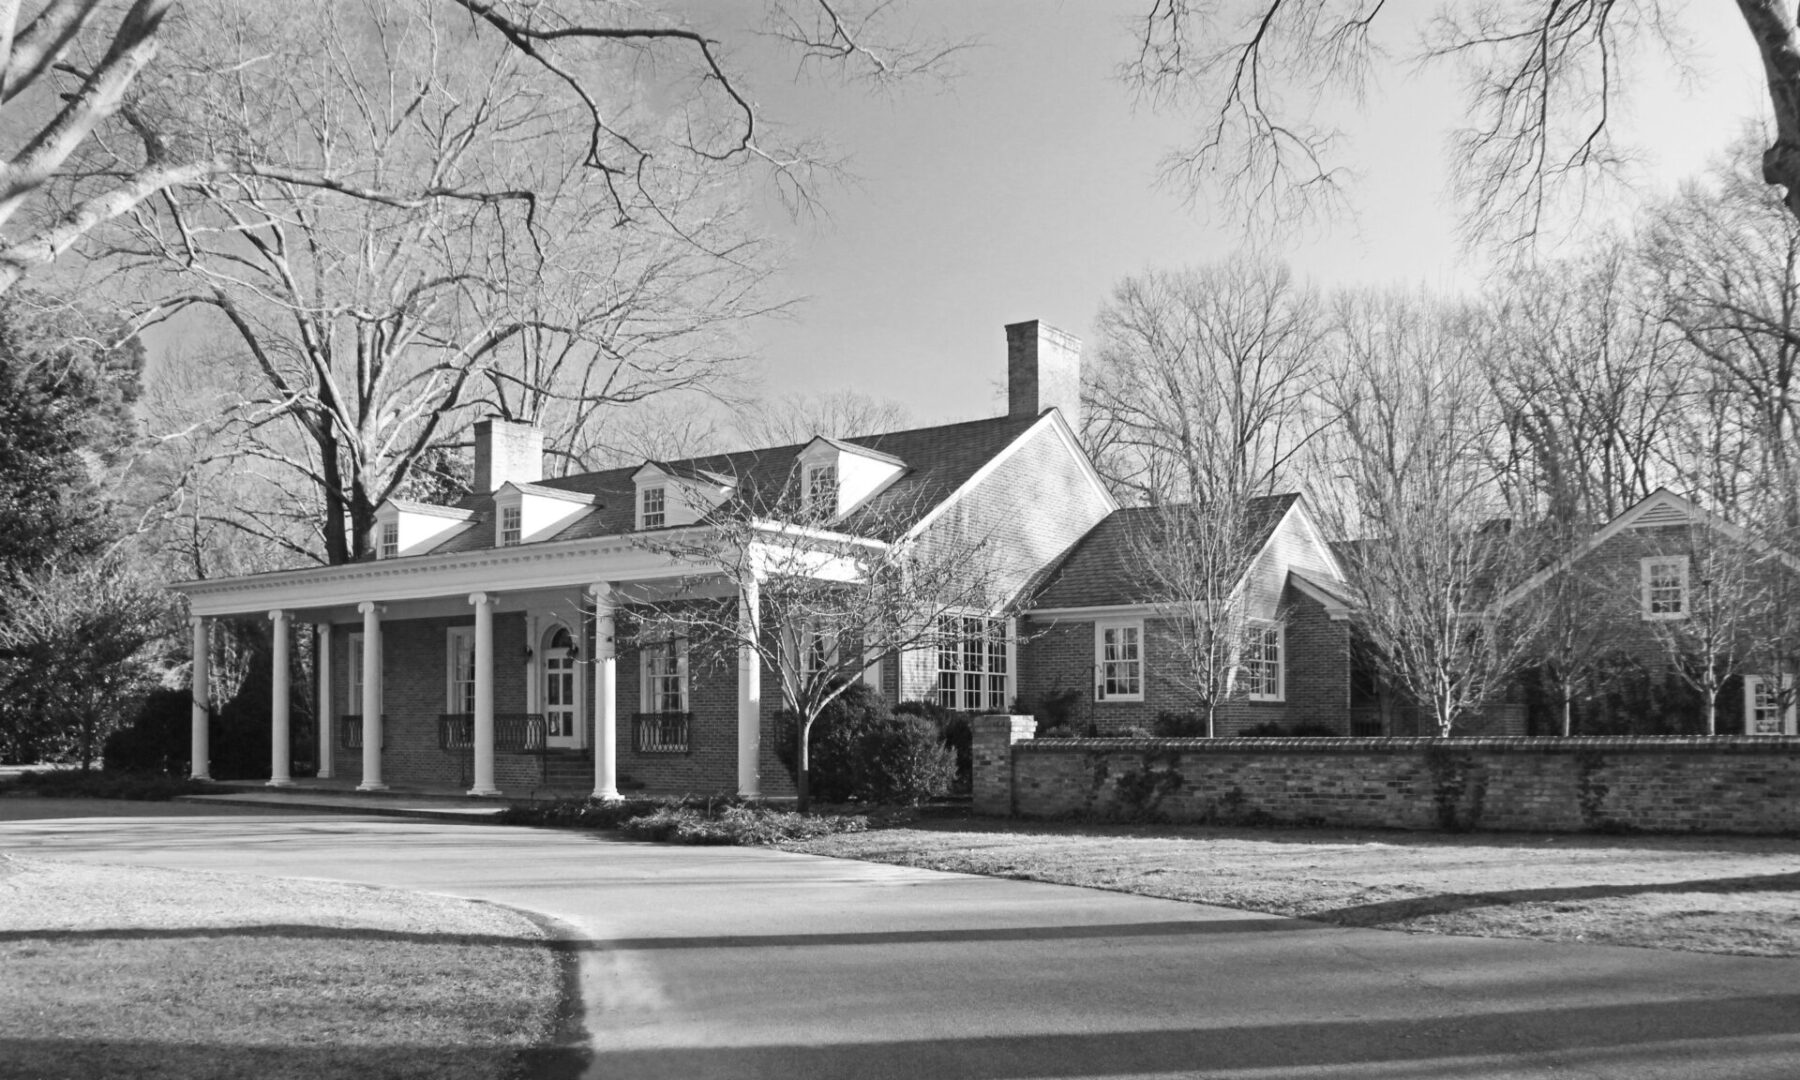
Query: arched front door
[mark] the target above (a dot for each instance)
(562, 699)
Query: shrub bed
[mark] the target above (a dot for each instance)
(683, 821)
(138, 787)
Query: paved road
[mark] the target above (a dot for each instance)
(706, 962)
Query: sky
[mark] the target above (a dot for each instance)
(1025, 189)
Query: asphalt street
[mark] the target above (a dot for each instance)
(727, 962)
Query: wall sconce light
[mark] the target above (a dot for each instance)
(528, 654)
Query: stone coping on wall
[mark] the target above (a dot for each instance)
(1518, 744)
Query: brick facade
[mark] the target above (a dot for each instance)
(1058, 655)
(1739, 785)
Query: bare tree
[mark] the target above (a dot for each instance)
(1584, 373)
(798, 418)
(1414, 430)
(829, 604)
(1706, 632)
(1198, 405)
(1545, 80)
(80, 78)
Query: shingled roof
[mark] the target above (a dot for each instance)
(1101, 570)
(938, 460)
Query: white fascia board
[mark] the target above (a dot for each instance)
(532, 566)
(1053, 419)
(1336, 609)
(1088, 614)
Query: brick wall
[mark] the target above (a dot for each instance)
(1732, 785)
(1059, 655)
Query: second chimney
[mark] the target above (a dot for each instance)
(1043, 370)
(506, 450)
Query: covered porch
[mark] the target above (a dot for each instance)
(496, 673)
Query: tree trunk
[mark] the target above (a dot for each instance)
(802, 783)
(1568, 708)
(1712, 710)
(1211, 708)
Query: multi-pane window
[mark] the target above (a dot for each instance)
(390, 540)
(1665, 581)
(972, 664)
(1119, 661)
(512, 521)
(559, 685)
(1763, 714)
(665, 676)
(461, 670)
(822, 489)
(652, 508)
(1262, 662)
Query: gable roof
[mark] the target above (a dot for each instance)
(1101, 570)
(1659, 509)
(939, 461)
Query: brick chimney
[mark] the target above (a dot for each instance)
(506, 450)
(1043, 369)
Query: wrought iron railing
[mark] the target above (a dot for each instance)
(513, 732)
(350, 731)
(661, 733)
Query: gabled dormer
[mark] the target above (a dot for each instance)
(677, 495)
(410, 528)
(836, 477)
(527, 512)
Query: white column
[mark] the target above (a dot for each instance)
(371, 694)
(327, 720)
(199, 744)
(280, 748)
(749, 695)
(484, 694)
(606, 695)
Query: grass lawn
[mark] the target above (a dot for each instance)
(110, 971)
(1709, 894)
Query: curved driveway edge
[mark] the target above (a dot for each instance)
(733, 962)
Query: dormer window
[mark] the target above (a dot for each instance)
(822, 490)
(408, 528)
(512, 525)
(390, 540)
(652, 508)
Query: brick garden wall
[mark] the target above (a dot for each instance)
(1732, 785)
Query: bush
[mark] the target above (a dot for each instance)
(1055, 711)
(138, 787)
(957, 734)
(861, 751)
(157, 739)
(1269, 729)
(736, 824)
(581, 813)
(1180, 725)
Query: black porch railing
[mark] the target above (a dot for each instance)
(660, 733)
(517, 733)
(350, 729)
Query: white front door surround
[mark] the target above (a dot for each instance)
(562, 691)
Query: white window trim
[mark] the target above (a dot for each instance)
(645, 694)
(517, 512)
(822, 502)
(662, 514)
(1008, 656)
(1751, 685)
(454, 639)
(388, 546)
(1280, 694)
(1644, 572)
(1100, 629)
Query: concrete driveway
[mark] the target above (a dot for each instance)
(708, 962)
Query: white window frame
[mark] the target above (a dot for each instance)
(459, 693)
(512, 525)
(647, 517)
(822, 488)
(390, 540)
(353, 673)
(1646, 574)
(1256, 639)
(1753, 686)
(974, 670)
(650, 657)
(1100, 661)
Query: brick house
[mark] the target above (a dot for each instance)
(1661, 565)
(1098, 641)
(477, 649)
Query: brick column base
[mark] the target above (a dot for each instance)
(991, 749)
